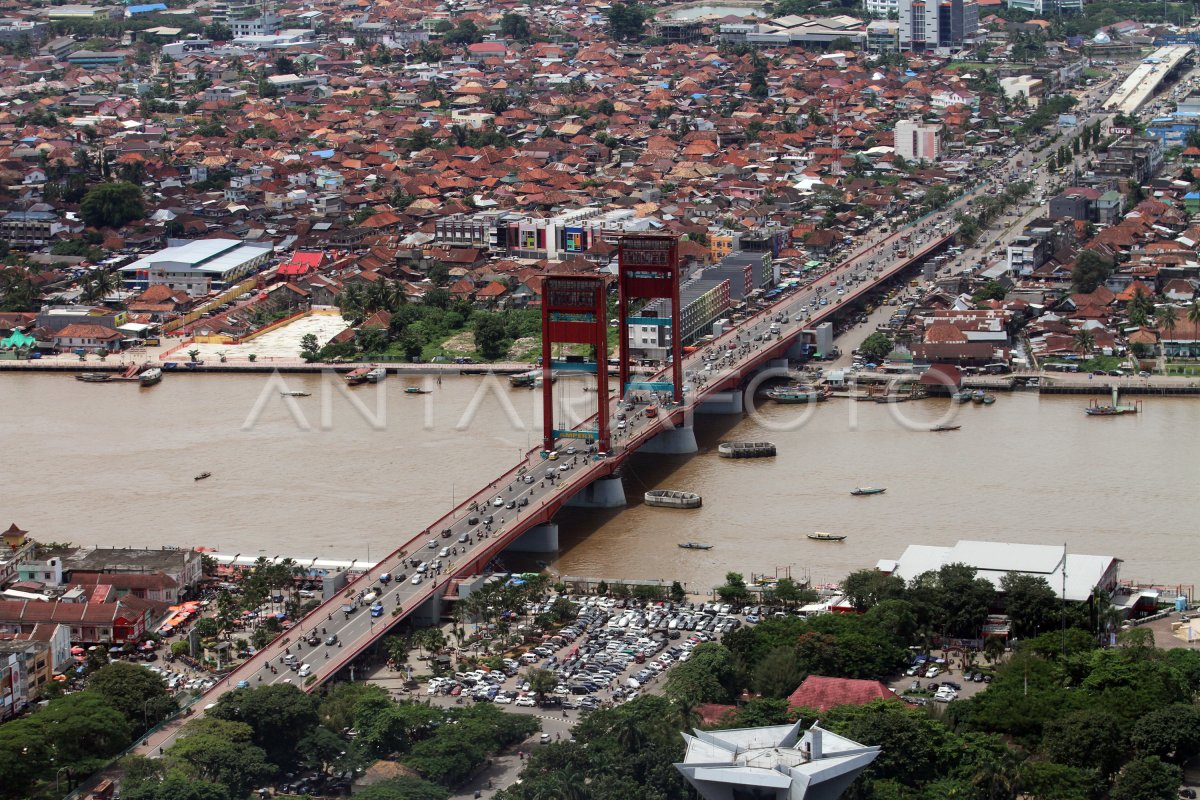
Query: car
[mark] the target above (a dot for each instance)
(466, 537)
(544, 738)
(498, 502)
(564, 467)
(377, 610)
(510, 505)
(527, 479)
(305, 671)
(1143, 374)
(502, 699)
(331, 639)
(525, 701)
(444, 552)
(432, 544)
(243, 684)
(416, 579)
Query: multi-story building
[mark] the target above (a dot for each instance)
(918, 142)
(932, 24)
(1136, 158)
(884, 9)
(1040, 240)
(1044, 7)
(883, 36)
(703, 300)
(255, 25)
(32, 228)
(197, 267)
(552, 238)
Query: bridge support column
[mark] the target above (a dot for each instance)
(600, 493)
(429, 612)
(778, 363)
(673, 441)
(729, 402)
(538, 539)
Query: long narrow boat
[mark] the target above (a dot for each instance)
(867, 490)
(695, 546)
(938, 428)
(826, 537)
(94, 377)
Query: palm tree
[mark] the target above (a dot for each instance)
(1084, 342)
(1167, 317)
(1193, 313)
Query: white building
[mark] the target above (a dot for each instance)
(778, 762)
(1071, 576)
(1042, 7)
(261, 25)
(885, 9)
(197, 267)
(918, 142)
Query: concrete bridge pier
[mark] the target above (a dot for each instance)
(727, 402)
(673, 442)
(600, 493)
(429, 612)
(538, 539)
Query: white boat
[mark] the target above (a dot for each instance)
(376, 375)
(150, 377)
(669, 498)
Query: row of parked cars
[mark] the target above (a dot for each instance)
(612, 646)
(178, 683)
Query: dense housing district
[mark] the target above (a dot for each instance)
(282, 184)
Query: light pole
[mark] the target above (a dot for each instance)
(57, 774)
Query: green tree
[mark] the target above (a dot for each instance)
(866, 587)
(1089, 739)
(709, 676)
(734, 589)
(1167, 319)
(992, 290)
(140, 695)
(280, 716)
(1171, 733)
(337, 708)
(541, 681)
(1031, 604)
(491, 336)
(310, 348)
(403, 788)
(626, 21)
(877, 346)
(1089, 272)
(1047, 780)
(176, 786)
(1148, 778)
(112, 205)
(82, 726)
(777, 675)
(515, 26)
(219, 751)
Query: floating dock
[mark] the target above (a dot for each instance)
(746, 449)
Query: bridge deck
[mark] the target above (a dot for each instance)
(544, 497)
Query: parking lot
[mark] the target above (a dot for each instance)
(612, 652)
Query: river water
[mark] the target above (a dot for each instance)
(113, 465)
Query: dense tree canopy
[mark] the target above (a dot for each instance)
(111, 205)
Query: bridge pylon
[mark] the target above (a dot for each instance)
(575, 311)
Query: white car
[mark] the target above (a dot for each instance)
(502, 699)
(498, 502)
(526, 701)
(305, 671)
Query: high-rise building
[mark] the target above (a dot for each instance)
(930, 24)
(1043, 7)
(917, 142)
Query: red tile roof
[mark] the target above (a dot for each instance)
(823, 693)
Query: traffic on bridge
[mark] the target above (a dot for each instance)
(465, 541)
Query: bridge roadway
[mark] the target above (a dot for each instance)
(358, 630)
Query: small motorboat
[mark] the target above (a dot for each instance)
(695, 546)
(202, 476)
(867, 490)
(937, 428)
(94, 377)
(826, 537)
(376, 375)
(150, 377)
(294, 394)
(415, 390)
(988, 399)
